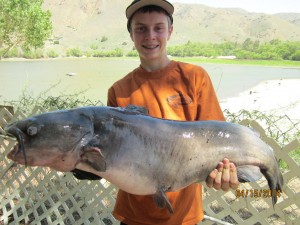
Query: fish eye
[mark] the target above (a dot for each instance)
(32, 130)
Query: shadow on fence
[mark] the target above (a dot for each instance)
(44, 196)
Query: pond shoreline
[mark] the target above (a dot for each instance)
(273, 63)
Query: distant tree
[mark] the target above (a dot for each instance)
(296, 56)
(23, 23)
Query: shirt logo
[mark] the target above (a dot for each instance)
(179, 99)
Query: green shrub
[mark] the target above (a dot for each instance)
(98, 54)
(88, 53)
(12, 53)
(33, 54)
(114, 53)
(76, 52)
(296, 56)
(94, 46)
(51, 53)
(132, 53)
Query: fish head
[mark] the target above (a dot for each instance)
(53, 139)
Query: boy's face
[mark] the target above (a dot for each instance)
(150, 33)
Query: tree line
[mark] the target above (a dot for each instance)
(249, 49)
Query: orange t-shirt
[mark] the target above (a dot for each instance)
(179, 91)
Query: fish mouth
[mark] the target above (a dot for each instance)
(18, 134)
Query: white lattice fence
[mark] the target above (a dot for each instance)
(251, 202)
(43, 196)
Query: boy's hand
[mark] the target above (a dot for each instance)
(223, 177)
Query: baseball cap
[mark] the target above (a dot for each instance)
(137, 4)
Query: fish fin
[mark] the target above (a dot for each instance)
(161, 200)
(275, 182)
(248, 173)
(133, 109)
(93, 157)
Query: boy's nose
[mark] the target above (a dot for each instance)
(150, 35)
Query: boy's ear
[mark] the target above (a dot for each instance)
(170, 31)
(131, 35)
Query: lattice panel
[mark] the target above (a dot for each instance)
(255, 208)
(43, 196)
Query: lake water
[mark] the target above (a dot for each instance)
(93, 77)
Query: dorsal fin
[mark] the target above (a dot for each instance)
(133, 109)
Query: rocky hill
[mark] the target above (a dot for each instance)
(102, 24)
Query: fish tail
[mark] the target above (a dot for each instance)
(275, 182)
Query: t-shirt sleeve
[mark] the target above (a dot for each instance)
(111, 98)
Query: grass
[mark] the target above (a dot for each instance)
(26, 102)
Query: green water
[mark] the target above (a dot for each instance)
(93, 76)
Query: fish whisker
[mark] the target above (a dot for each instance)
(19, 135)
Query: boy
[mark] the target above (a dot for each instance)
(169, 90)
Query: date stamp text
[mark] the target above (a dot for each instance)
(257, 193)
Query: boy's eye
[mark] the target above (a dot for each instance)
(160, 29)
(140, 29)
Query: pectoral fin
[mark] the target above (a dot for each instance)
(248, 173)
(161, 200)
(93, 157)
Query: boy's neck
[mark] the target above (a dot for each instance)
(154, 65)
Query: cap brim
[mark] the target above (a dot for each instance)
(163, 4)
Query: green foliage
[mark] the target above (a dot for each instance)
(66, 102)
(196, 49)
(76, 52)
(27, 101)
(132, 53)
(296, 56)
(94, 46)
(114, 53)
(33, 53)
(118, 52)
(23, 23)
(273, 50)
(11, 53)
(88, 53)
(51, 53)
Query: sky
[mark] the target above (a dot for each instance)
(259, 6)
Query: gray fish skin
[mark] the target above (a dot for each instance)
(140, 154)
